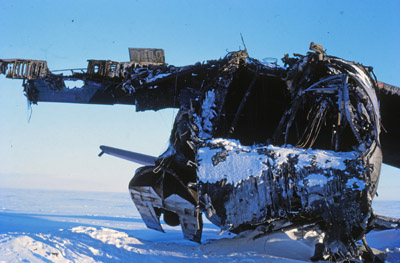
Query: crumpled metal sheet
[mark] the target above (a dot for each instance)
(23, 68)
(261, 184)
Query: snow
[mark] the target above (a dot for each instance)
(315, 179)
(152, 78)
(207, 114)
(74, 84)
(62, 226)
(355, 183)
(243, 161)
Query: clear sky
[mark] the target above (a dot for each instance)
(58, 148)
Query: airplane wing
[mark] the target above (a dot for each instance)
(127, 155)
(390, 118)
(149, 86)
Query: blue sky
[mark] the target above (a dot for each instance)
(58, 148)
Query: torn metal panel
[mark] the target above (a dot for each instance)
(147, 56)
(388, 89)
(23, 68)
(103, 68)
(152, 194)
(380, 222)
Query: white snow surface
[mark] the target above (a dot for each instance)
(61, 226)
(244, 161)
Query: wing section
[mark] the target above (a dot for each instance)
(127, 155)
(147, 84)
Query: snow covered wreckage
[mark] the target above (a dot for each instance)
(253, 144)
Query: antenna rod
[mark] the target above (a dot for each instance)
(244, 44)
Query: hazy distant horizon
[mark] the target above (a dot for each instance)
(387, 188)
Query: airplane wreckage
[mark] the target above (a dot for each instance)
(254, 144)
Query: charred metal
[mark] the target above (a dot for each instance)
(254, 145)
(23, 68)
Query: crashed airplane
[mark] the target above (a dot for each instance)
(254, 144)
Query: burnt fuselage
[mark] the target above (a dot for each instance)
(252, 144)
(241, 149)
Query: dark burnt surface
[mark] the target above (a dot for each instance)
(390, 135)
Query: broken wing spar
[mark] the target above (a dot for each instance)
(139, 158)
